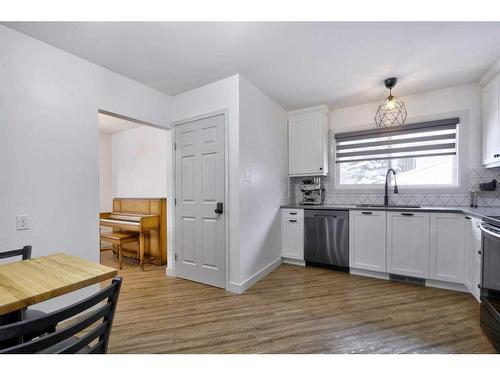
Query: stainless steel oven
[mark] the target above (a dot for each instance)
(490, 280)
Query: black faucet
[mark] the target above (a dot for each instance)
(386, 196)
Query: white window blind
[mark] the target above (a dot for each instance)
(432, 138)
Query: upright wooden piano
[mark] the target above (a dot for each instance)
(146, 216)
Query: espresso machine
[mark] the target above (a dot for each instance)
(313, 191)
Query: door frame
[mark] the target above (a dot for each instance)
(225, 113)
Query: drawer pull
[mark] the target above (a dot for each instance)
(292, 221)
(293, 213)
(366, 212)
(407, 214)
(468, 218)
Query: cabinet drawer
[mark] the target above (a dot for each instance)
(292, 213)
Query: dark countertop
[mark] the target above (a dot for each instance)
(480, 212)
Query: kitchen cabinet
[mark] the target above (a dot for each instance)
(408, 243)
(308, 142)
(470, 254)
(447, 247)
(472, 261)
(491, 123)
(367, 240)
(292, 234)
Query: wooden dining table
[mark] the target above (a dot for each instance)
(35, 280)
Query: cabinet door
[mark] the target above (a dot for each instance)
(293, 238)
(408, 243)
(305, 141)
(470, 255)
(491, 125)
(447, 247)
(367, 240)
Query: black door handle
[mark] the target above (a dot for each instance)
(366, 212)
(220, 208)
(406, 214)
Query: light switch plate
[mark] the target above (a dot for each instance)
(22, 222)
(248, 177)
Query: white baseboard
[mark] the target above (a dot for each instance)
(446, 285)
(239, 288)
(295, 262)
(367, 273)
(170, 271)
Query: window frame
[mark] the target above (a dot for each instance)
(462, 142)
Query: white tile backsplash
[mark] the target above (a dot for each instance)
(475, 177)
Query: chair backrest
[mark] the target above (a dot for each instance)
(25, 252)
(98, 320)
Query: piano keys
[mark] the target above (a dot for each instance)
(146, 217)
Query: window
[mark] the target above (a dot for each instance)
(423, 155)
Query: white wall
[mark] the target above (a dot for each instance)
(460, 101)
(49, 145)
(218, 96)
(105, 181)
(263, 149)
(139, 159)
(425, 106)
(256, 130)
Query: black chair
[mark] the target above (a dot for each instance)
(94, 327)
(25, 253)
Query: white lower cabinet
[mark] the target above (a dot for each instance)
(472, 256)
(367, 240)
(447, 247)
(408, 243)
(292, 234)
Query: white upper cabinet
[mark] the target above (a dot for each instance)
(408, 243)
(491, 123)
(308, 142)
(367, 240)
(447, 247)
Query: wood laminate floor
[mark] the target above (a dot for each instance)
(292, 310)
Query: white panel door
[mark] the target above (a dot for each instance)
(408, 243)
(367, 240)
(447, 247)
(199, 186)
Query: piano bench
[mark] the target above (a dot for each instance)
(118, 239)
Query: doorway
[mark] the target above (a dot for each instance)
(134, 159)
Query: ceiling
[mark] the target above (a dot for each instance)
(111, 125)
(297, 64)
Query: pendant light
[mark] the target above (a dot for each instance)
(392, 112)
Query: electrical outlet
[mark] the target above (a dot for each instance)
(22, 222)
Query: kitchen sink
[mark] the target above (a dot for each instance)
(367, 205)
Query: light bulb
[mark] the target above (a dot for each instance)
(390, 102)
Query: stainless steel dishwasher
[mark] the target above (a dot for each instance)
(326, 238)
